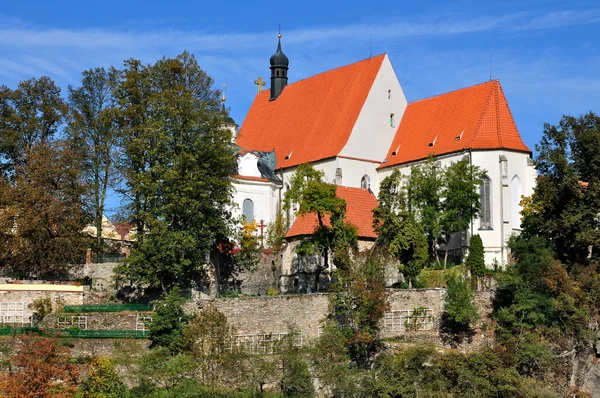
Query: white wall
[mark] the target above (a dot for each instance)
(265, 196)
(372, 134)
(247, 165)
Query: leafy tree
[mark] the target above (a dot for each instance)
(565, 204)
(476, 260)
(209, 337)
(460, 199)
(163, 369)
(102, 381)
(358, 303)
(177, 161)
(396, 228)
(93, 134)
(41, 193)
(425, 190)
(460, 313)
(296, 381)
(249, 247)
(168, 322)
(313, 195)
(41, 367)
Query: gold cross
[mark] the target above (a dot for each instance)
(260, 83)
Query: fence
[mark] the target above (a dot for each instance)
(408, 320)
(265, 343)
(76, 333)
(108, 307)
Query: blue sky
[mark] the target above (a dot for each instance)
(545, 53)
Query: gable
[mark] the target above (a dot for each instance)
(311, 119)
(476, 117)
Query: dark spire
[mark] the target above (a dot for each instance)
(279, 67)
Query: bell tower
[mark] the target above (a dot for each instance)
(279, 69)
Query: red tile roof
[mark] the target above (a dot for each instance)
(359, 212)
(250, 178)
(479, 115)
(312, 118)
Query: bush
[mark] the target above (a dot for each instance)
(475, 260)
(458, 306)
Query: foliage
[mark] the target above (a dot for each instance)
(92, 133)
(396, 228)
(459, 310)
(313, 195)
(168, 322)
(276, 231)
(163, 369)
(249, 247)
(476, 260)
(102, 381)
(40, 368)
(358, 303)
(208, 337)
(564, 207)
(41, 307)
(177, 161)
(296, 381)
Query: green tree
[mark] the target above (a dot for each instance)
(425, 190)
(93, 133)
(459, 311)
(396, 228)
(177, 162)
(161, 368)
(475, 259)
(296, 381)
(565, 203)
(102, 381)
(314, 195)
(460, 199)
(168, 322)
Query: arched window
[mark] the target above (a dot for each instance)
(485, 196)
(516, 191)
(392, 121)
(248, 210)
(365, 182)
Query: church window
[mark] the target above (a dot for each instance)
(365, 182)
(248, 210)
(338, 176)
(516, 191)
(485, 197)
(392, 120)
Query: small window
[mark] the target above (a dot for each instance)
(485, 197)
(365, 182)
(389, 94)
(392, 122)
(248, 210)
(338, 176)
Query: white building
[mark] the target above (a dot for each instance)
(355, 124)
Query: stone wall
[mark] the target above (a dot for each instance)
(100, 320)
(305, 313)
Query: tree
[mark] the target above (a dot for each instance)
(396, 228)
(162, 368)
(209, 337)
(475, 259)
(459, 311)
(565, 203)
(358, 304)
(313, 195)
(41, 192)
(168, 322)
(425, 190)
(93, 134)
(102, 381)
(41, 367)
(296, 381)
(460, 199)
(177, 162)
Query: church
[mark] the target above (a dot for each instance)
(355, 124)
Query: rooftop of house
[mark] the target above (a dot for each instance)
(360, 204)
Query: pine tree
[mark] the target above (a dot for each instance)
(475, 260)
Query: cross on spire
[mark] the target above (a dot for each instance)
(260, 83)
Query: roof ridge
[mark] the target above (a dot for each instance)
(482, 116)
(454, 91)
(498, 116)
(335, 69)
